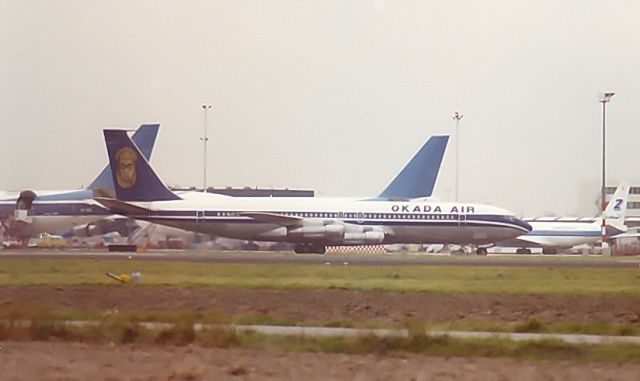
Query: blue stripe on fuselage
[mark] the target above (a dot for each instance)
(79, 208)
(558, 233)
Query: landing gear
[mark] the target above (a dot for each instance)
(523, 250)
(548, 250)
(309, 248)
(481, 251)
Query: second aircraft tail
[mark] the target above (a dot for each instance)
(418, 178)
(616, 210)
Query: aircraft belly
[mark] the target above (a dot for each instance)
(265, 231)
(443, 235)
(567, 241)
(540, 241)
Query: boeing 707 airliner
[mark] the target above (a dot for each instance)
(310, 223)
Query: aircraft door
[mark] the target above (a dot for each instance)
(200, 216)
(462, 219)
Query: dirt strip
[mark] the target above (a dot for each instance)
(327, 305)
(74, 361)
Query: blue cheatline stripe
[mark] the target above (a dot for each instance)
(401, 222)
(569, 233)
(353, 215)
(61, 209)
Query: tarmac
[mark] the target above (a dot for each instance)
(353, 259)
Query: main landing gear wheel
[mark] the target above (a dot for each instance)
(307, 248)
(481, 251)
(523, 251)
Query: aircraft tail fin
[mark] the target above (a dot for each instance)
(134, 179)
(615, 212)
(145, 139)
(417, 179)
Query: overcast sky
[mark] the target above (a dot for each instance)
(334, 96)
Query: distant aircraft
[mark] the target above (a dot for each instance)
(556, 234)
(418, 178)
(34, 212)
(310, 223)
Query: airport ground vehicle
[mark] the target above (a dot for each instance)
(48, 241)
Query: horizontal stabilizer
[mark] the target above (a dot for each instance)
(121, 207)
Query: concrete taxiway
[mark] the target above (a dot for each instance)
(311, 331)
(357, 259)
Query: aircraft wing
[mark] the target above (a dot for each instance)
(273, 218)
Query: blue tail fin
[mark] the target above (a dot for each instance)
(145, 139)
(135, 180)
(418, 177)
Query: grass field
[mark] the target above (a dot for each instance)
(448, 279)
(123, 328)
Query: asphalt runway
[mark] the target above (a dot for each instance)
(355, 259)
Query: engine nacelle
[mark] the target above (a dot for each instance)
(100, 227)
(86, 230)
(364, 238)
(333, 232)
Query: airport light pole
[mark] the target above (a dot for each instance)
(606, 97)
(457, 117)
(205, 139)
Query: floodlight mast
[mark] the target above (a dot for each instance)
(606, 97)
(457, 117)
(205, 139)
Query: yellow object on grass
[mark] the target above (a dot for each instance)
(122, 278)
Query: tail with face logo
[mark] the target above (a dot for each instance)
(133, 177)
(615, 212)
(144, 138)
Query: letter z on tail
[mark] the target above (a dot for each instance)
(616, 210)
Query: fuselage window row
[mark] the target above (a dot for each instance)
(359, 216)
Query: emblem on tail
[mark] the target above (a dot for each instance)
(126, 167)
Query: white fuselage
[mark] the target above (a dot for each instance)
(558, 234)
(53, 211)
(334, 220)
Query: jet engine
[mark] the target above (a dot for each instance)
(339, 234)
(364, 238)
(332, 232)
(121, 225)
